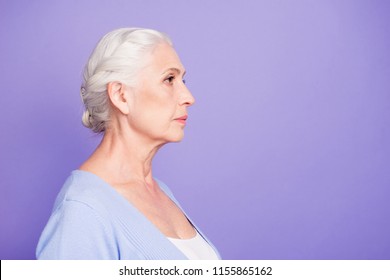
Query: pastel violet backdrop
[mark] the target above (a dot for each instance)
(286, 154)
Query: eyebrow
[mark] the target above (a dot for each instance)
(173, 69)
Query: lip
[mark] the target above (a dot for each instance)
(182, 119)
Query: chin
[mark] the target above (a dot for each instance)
(177, 138)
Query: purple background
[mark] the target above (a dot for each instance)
(286, 154)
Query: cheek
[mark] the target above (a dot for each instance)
(156, 106)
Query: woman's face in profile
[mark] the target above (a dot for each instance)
(159, 102)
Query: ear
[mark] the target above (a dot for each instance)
(118, 96)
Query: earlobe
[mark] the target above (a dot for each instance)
(118, 96)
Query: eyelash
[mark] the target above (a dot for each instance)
(171, 78)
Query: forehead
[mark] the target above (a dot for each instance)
(163, 58)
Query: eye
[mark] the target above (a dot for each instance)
(169, 79)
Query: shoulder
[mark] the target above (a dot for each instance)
(76, 230)
(80, 224)
(83, 188)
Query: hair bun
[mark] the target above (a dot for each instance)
(86, 119)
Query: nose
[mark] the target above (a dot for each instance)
(186, 97)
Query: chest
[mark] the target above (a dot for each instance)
(162, 212)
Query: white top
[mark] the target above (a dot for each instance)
(195, 248)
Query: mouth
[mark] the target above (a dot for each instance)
(182, 119)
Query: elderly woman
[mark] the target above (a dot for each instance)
(112, 207)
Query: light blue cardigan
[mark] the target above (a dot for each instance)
(91, 220)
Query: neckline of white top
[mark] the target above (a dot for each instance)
(195, 248)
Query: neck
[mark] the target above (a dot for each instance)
(122, 158)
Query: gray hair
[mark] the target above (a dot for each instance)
(118, 56)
